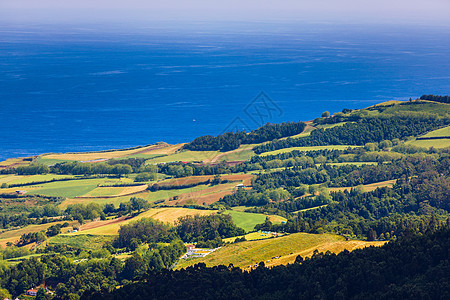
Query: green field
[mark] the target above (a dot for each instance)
(327, 126)
(246, 221)
(86, 241)
(441, 143)
(331, 147)
(287, 248)
(439, 132)
(423, 106)
(18, 179)
(236, 156)
(51, 161)
(68, 189)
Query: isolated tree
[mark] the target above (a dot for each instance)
(325, 114)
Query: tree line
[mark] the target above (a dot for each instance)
(232, 140)
(436, 98)
(366, 130)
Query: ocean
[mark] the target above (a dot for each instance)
(91, 87)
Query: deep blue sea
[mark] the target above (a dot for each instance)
(81, 88)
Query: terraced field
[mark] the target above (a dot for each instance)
(246, 254)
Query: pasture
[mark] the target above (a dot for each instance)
(247, 221)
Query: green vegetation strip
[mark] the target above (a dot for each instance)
(87, 241)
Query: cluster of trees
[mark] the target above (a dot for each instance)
(31, 237)
(155, 258)
(366, 130)
(232, 140)
(436, 98)
(145, 230)
(254, 197)
(412, 268)
(71, 279)
(157, 187)
(91, 211)
(208, 230)
(48, 210)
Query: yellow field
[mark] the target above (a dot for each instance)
(187, 156)
(250, 237)
(14, 235)
(168, 149)
(14, 162)
(10, 178)
(99, 155)
(276, 219)
(167, 214)
(439, 132)
(367, 187)
(244, 152)
(287, 248)
(442, 143)
(387, 103)
(115, 191)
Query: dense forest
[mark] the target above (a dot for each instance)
(416, 267)
(442, 99)
(232, 140)
(365, 130)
